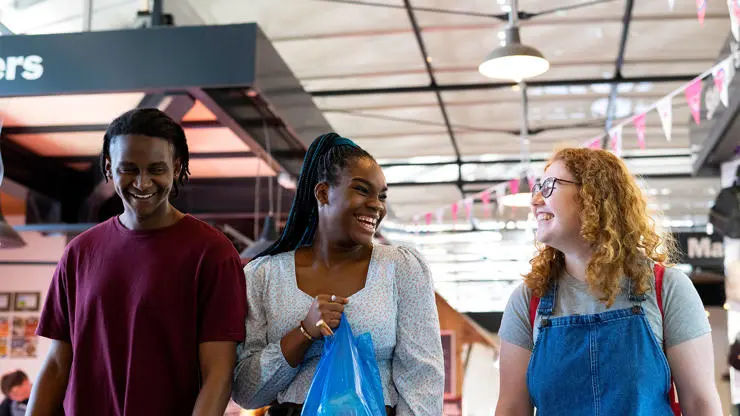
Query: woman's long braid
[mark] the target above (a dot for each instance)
(324, 161)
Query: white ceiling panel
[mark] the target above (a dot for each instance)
(304, 18)
(694, 67)
(416, 78)
(400, 121)
(376, 101)
(353, 55)
(406, 147)
(685, 39)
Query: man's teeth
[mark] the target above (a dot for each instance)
(542, 216)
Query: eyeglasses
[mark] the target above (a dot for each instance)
(548, 185)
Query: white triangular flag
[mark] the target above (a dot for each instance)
(665, 110)
(440, 215)
(671, 3)
(722, 75)
(734, 6)
(469, 208)
(615, 140)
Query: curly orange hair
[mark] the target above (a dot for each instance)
(614, 220)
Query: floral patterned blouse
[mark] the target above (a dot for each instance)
(396, 306)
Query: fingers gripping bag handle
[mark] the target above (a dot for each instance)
(347, 379)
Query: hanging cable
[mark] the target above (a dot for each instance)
(268, 147)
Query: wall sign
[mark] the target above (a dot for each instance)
(701, 249)
(26, 67)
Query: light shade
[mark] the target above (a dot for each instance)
(514, 61)
(521, 199)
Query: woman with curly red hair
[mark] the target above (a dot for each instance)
(588, 333)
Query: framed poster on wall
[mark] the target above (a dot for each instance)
(26, 301)
(4, 327)
(5, 301)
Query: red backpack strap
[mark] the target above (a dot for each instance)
(534, 303)
(659, 270)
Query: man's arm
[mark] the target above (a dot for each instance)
(48, 392)
(217, 361)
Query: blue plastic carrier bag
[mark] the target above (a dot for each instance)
(347, 379)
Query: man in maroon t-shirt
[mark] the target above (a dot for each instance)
(144, 310)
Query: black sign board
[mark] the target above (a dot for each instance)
(701, 249)
(129, 60)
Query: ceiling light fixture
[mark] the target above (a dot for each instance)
(514, 61)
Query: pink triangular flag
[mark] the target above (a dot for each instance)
(428, 218)
(455, 207)
(513, 186)
(440, 215)
(722, 75)
(640, 127)
(693, 97)
(665, 111)
(485, 196)
(595, 143)
(615, 140)
(701, 10)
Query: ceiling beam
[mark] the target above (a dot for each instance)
(433, 82)
(493, 182)
(81, 128)
(516, 160)
(611, 108)
(499, 85)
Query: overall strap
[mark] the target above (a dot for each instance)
(543, 305)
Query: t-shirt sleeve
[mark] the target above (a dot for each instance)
(54, 321)
(515, 327)
(685, 317)
(222, 295)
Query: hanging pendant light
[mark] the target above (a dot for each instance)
(522, 198)
(514, 61)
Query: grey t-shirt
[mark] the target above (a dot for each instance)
(685, 318)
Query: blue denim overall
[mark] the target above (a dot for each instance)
(603, 364)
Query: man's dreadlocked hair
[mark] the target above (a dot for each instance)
(153, 123)
(327, 156)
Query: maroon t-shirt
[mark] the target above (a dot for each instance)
(135, 305)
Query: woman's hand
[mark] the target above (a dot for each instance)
(328, 308)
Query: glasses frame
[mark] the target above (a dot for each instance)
(540, 187)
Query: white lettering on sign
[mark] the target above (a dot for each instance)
(28, 67)
(704, 248)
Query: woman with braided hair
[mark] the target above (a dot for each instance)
(324, 264)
